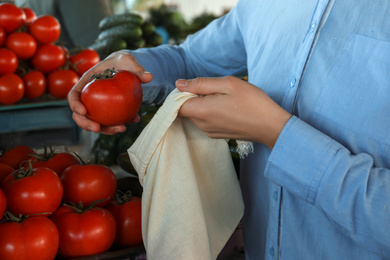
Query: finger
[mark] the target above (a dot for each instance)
(75, 103)
(112, 130)
(86, 123)
(135, 67)
(191, 106)
(203, 86)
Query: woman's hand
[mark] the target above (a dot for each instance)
(231, 108)
(120, 60)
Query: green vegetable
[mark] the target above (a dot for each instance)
(147, 28)
(119, 19)
(108, 45)
(124, 31)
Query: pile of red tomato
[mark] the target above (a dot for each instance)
(57, 206)
(31, 63)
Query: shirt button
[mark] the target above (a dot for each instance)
(313, 26)
(292, 82)
(272, 251)
(275, 195)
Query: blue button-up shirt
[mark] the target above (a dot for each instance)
(323, 192)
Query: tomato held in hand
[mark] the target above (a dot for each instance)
(8, 61)
(45, 29)
(48, 58)
(22, 44)
(11, 17)
(33, 238)
(34, 84)
(127, 212)
(11, 89)
(16, 155)
(60, 82)
(84, 231)
(112, 98)
(84, 60)
(3, 203)
(31, 191)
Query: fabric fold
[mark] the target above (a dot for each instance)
(191, 202)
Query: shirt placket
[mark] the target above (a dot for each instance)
(275, 248)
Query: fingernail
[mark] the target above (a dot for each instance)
(181, 83)
(90, 129)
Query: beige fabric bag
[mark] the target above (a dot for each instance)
(191, 201)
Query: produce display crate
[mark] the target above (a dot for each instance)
(37, 123)
(131, 253)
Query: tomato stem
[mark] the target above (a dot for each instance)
(122, 198)
(107, 74)
(23, 172)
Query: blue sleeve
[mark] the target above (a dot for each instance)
(347, 187)
(217, 50)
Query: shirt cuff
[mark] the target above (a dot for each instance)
(300, 158)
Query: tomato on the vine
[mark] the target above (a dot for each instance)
(48, 58)
(60, 82)
(5, 170)
(8, 61)
(32, 238)
(127, 211)
(45, 28)
(11, 89)
(84, 60)
(3, 203)
(30, 14)
(32, 191)
(84, 231)
(16, 155)
(57, 162)
(112, 98)
(88, 183)
(22, 44)
(34, 84)
(11, 17)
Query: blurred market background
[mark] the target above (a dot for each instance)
(104, 26)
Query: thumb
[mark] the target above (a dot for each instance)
(201, 86)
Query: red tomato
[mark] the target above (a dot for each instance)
(16, 155)
(34, 84)
(11, 89)
(88, 183)
(30, 14)
(8, 61)
(48, 58)
(11, 17)
(113, 101)
(84, 60)
(5, 170)
(57, 162)
(2, 36)
(33, 238)
(31, 191)
(84, 233)
(60, 82)
(128, 217)
(3, 203)
(22, 44)
(66, 51)
(45, 28)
